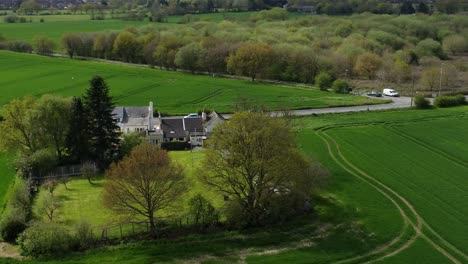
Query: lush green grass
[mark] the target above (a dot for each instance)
(7, 174)
(83, 201)
(171, 92)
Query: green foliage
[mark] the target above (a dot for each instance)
(126, 46)
(340, 86)
(324, 81)
(45, 239)
(272, 14)
(12, 224)
(190, 57)
(102, 127)
(28, 7)
(429, 47)
(202, 212)
(421, 102)
(455, 44)
(44, 45)
(449, 101)
(250, 59)
(129, 142)
(84, 235)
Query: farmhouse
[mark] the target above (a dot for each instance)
(157, 129)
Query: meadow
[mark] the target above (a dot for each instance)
(171, 92)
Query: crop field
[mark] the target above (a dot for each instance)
(420, 166)
(171, 92)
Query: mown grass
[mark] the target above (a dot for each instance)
(171, 92)
(83, 201)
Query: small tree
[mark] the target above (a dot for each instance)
(367, 65)
(143, 183)
(129, 142)
(340, 86)
(44, 45)
(324, 81)
(421, 103)
(88, 170)
(49, 205)
(71, 42)
(251, 59)
(190, 57)
(202, 211)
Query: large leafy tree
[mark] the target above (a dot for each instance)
(143, 183)
(253, 159)
(102, 127)
(71, 42)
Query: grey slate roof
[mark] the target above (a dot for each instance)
(131, 115)
(174, 127)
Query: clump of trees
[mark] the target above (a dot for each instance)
(449, 101)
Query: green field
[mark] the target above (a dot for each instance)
(171, 92)
(399, 175)
(7, 174)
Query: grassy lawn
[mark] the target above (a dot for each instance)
(171, 92)
(83, 201)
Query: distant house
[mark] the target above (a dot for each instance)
(141, 119)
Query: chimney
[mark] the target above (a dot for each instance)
(203, 115)
(150, 117)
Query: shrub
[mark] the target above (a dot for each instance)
(324, 81)
(84, 235)
(11, 18)
(340, 86)
(19, 46)
(13, 224)
(202, 212)
(421, 103)
(449, 101)
(44, 239)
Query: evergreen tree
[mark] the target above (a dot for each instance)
(102, 127)
(423, 8)
(407, 8)
(77, 138)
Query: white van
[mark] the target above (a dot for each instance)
(390, 92)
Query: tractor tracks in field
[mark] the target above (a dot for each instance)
(410, 216)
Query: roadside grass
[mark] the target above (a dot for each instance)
(171, 92)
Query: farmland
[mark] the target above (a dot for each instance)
(172, 92)
(412, 204)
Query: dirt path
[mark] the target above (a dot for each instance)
(7, 251)
(384, 189)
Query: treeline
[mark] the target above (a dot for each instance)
(270, 46)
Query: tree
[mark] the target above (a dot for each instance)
(367, 65)
(429, 47)
(18, 126)
(88, 170)
(49, 205)
(430, 78)
(71, 42)
(29, 7)
(455, 44)
(448, 6)
(190, 57)
(202, 211)
(423, 8)
(126, 46)
(77, 137)
(143, 183)
(407, 8)
(129, 142)
(44, 45)
(340, 86)
(421, 102)
(103, 138)
(252, 159)
(324, 81)
(250, 59)
(52, 115)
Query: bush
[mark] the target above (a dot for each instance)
(45, 239)
(324, 81)
(13, 224)
(202, 212)
(11, 18)
(84, 235)
(421, 103)
(176, 145)
(449, 101)
(340, 86)
(19, 46)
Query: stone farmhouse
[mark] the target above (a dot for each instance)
(194, 129)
